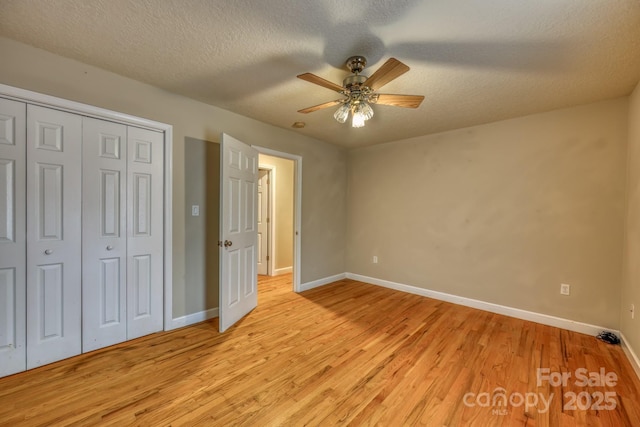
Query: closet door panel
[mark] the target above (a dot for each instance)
(104, 234)
(145, 263)
(12, 237)
(53, 235)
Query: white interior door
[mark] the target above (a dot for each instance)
(104, 233)
(145, 241)
(54, 176)
(238, 231)
(12, 237)
(263, 221)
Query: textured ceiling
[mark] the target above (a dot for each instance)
(474, 61)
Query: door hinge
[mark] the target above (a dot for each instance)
(267, 220)
(267, 257)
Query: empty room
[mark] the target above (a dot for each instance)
(318, 212)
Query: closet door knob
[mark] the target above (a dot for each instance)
(227, 243)
(48, 251)
(109, 247)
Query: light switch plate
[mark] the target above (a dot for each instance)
(195, 210)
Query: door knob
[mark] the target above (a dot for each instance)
(48, 251)
(109, 247)
(227, 243)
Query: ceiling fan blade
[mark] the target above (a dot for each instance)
(321, 106)
(405, 101)
(390, 70)
(312, 78)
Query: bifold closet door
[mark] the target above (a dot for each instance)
(122, 228)
(54, 177)
(12, 237)
(104, 234)
(145, 222)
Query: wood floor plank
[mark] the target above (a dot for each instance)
(346, 353)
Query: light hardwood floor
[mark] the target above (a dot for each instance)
(345, 353)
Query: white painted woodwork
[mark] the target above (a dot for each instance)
(145, 261)
(12, 237)
(53, 269)
(263, 221)
(104, 233)
(41, 220)
(238, 213)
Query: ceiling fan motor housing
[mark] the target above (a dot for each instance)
(356, 64)
(355, 79)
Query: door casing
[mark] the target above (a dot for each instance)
(270, 215)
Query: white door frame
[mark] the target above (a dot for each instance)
(43, 100)
(271, 228)
(297, 207)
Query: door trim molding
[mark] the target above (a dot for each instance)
(297, 206)
(62, 104)
(272, 174)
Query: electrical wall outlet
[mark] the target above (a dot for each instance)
(375, 259)
(565, 289)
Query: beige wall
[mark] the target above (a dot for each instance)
(202, 188)
(631, 284)
(324, 165)
(283, 209)
(503, 212)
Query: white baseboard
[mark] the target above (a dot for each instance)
(321, 282)
(544, 319)
(631, 355)
(190, 319)
(281, 271)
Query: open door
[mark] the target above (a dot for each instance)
(238, 231)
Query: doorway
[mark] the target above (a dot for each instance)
(281, 195)
(275, 215)
(239, 168)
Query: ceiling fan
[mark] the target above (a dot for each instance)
(360, 91)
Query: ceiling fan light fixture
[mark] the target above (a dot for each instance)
(357, 121)
(366, 110)
(342, 113)
(360, 112)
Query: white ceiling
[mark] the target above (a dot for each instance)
(474, 61)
